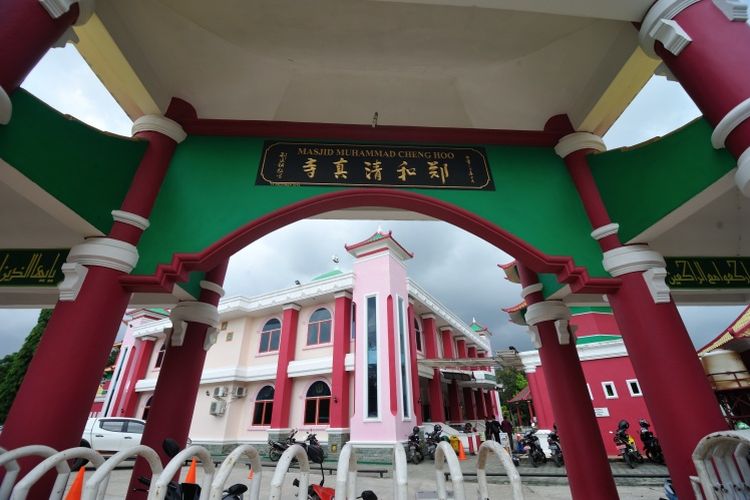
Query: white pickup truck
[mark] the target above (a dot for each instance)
(112, 434)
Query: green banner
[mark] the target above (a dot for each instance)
(32, 267)
(708, 272)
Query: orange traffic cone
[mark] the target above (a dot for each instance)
(251, 474)
(76, 489)
(461, 454)
(190, 477)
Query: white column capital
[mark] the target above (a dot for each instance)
(604, 231)
(342, 294)
(291, 305)
(577, 141)
(212, 287)
(731, 120)
(547, 310)
(105, 252)
(536, 287)
(631, 259)
(160, 124)
(194, 312)
(742, 176)
(131, 219)
(735, 10)
(658, 25)
(56, 8)
(75, 274)
(6, 107)
(640, 258)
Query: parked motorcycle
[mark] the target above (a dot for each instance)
(187, 491)
(626, 445)
(432, 439)
(651, 446)
(536, 454)
(414, 450)
(553, 441)
(277, 448)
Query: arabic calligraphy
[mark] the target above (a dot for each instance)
(31, 267)
(708, 272)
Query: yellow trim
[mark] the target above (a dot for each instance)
(109, 64)
(631, 78)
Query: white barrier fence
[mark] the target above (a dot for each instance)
(214, 480)
(721, 460)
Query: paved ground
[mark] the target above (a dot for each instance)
(635, 484)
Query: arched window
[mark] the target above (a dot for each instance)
(418, 334)
(270, 335)
(160, 355)
(263, 406)
(147, 408)
(319, 327)
(318, 404)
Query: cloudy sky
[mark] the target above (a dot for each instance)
(457, 268)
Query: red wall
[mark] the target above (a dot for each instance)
(625, 406)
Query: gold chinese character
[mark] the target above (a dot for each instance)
(437, 172)
(310, 167)
(373, 169)
(403, 171)
(340, 172)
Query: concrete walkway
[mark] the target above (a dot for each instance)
(422, 478)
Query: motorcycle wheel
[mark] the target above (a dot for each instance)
(558, 458)
(417, 458)
(535, 460)
(638, 457)
(628, 460)
(657, 457)
(274, 454)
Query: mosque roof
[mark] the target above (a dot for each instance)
(378, 241)
(738, 329)
(511, 271)
(329, 274)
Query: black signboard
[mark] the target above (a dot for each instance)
(31, 267)
(708, 272)
(349, 165)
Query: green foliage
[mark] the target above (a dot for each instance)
(13, 366)
(512, 381)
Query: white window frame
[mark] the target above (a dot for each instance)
(365, 392)
(591, 394)
(614, 389)
(630, 388)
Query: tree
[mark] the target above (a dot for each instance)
(512, 382)
(13, 366)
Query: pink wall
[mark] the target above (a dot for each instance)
(382, 275)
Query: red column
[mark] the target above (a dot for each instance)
(658, 344)
(342, 324)
(588, 469)
(488, 405)
(437, 412)
(180, 375)
(80, 334)
(129, 401)
(469, 409)
(282, 396)
(453, 407)
(479, 398)
(708, 69)
(415, 393)
(27, 32)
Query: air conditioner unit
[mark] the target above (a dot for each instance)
(240, 392)
(217, 408)
(220, 392)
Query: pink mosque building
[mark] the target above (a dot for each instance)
(351, 356)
